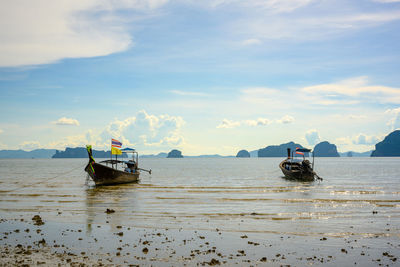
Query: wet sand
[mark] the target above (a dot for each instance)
(35, 242)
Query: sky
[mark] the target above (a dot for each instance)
(204, 77)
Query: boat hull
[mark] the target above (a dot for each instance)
(104, 175)
(296, 174)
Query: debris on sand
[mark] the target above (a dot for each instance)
(37, 220)
(42, 242)
(108, 211)
(213, 262)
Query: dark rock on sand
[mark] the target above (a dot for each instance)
(37, 220)
(108, 211)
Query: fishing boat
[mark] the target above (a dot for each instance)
(109, 172)
(299, 168)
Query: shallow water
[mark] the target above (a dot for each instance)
(213, 193)
(358, 198)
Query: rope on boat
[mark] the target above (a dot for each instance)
(48, 179)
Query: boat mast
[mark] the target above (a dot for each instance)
(313, 160)
(112, 164)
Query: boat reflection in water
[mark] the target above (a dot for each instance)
(110, 204)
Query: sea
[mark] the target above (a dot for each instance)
(350, 217)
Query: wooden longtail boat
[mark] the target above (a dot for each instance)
(299, 169)
(102, 174)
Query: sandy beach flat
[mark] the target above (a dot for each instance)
(24, 242)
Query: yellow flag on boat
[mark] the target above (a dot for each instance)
(116, 151)
(115, 147)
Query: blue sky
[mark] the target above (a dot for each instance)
(202, 76)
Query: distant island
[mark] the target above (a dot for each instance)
(209, 156)
(159, 155)
(277, 151)
(81, 152)
(243, 154)
(254, 153)
(325, 149)
(175, 154)
(355, 154)
(22, 154)
(389, 147)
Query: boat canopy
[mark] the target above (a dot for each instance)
(128, 150)
(303, 150)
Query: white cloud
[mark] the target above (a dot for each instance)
(257, 122)
(356, 117)
(66, 121)
(352, 91)
(30, 145)
(143, 131)
(363, 139)
(394, 122)
(360, 142)
(351, 117)
(312, 137)
(253, 41)
(343, 141)
(271, 6)
(68, 141)
(280, 6)
(227, 124)
(3, 146)
(286, 119)
(45, 31)
(146, 130)
(392, 111)
(1, 131)
(324, 20)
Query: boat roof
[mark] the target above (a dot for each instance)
(114, 161)
(128, 150)
(303, 149)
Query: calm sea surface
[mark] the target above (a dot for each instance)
(358, 196)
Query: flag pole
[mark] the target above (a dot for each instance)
(112, 164)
